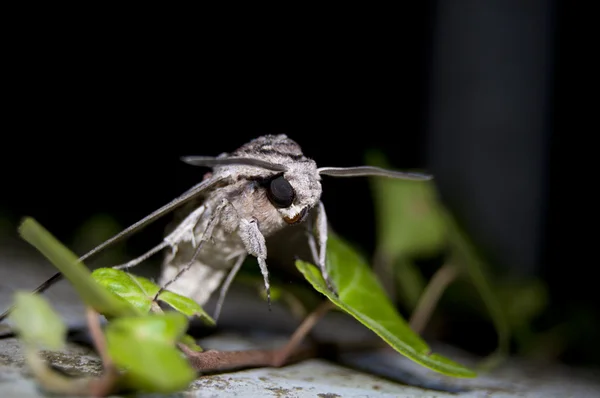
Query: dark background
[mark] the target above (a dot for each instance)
(494, 99)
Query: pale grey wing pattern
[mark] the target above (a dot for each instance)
(194, 253)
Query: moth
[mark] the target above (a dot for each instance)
(251, 193)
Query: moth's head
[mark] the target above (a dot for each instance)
(290, 180)
(296, 188)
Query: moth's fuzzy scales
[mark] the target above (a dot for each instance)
(247, 217)
(272, 146)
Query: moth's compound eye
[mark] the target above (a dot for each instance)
(280, 192)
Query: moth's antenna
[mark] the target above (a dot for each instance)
(209, 161)
(187, 196)
(360, 171)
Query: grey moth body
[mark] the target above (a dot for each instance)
(249, 205)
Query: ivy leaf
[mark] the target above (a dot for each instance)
(140, 292)
(132, 289)
(362, 296)
(36, 323)
(186, 306)
(144, 347)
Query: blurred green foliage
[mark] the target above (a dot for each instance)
(36, 322)
(413, 223)
(145, 348)
(93, 232)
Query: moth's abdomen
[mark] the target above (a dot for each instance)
(209, 267)
(198, 283)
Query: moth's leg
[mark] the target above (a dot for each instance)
(254, 242)
(206, 235)
(312, 243)
(227, 283)
(186, 227)
(144, 256)
(318, 232)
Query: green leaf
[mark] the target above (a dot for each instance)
(186, 306)
(144, 347)
(135, 290)
(36, 322)
(74, 270)
(140, 292)
(165, 328)
(408, 214)
(361, 295)
(190, 342)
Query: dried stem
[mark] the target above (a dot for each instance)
(98, 339)
(305, 327)
(106, 383)
(213, 361)
(430, 297)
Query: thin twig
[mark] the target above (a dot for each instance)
(217, 361)
(305, 327)
(430, 297)
(98, 337)
(214, 361)
(106, 383)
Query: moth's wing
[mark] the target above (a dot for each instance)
(192, 193)
(195, 264)
(203, 273)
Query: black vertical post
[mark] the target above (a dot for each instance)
(488, 120)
